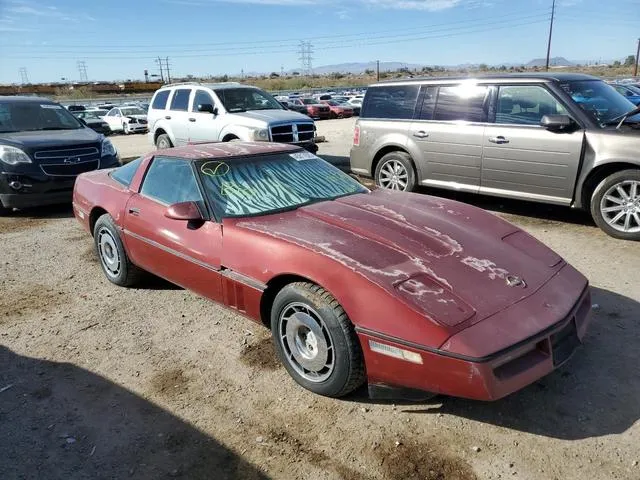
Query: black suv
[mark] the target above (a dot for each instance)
(43, 148)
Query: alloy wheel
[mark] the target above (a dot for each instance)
(393, 175)
(620, 206)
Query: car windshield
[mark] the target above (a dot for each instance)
(132, 111)
(272, 183)
(33, 116)
(246, 99)
(92, 114)
(309, 101)
(598, 99)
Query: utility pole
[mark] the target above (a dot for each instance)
(159, 62)
(24, 76)
(166, 64)
(82, 68)
(306, 58)
(377, 70)
(553, 13)
(635, 69)
(282, 70)
(242, 73)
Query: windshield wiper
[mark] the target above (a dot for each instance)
(236, 110)
(622, 118)
(52, 128)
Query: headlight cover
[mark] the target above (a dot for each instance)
(261, 134)
(108, 148)
(12, 155)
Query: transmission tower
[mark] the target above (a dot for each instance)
(82, 68)
(24, 76)
(306, 57)
(166, 65)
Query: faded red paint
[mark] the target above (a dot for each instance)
(425, 274)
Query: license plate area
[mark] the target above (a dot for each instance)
(564, 342)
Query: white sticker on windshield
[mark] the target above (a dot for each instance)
(302, 156)
(48, 105)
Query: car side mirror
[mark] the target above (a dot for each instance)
(187, 211)
(207, 108)
(557, 123)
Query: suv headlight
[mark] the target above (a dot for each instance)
(261, 134)
(13, 155)
(108, 148)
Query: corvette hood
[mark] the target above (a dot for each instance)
(451, 261)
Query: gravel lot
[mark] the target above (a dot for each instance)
(103, 382)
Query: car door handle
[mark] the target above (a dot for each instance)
(192, 119)
(499, 140)
(134, 211)
(167, 117)
(420, 134)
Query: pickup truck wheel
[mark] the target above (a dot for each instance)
(395, 172)
(163, 141)
(316, 341)
(114, 260)
(615, 205)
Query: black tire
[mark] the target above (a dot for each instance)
(386, 162)
(108, 244)
(163, 141)
(607, 188)
(347, 372)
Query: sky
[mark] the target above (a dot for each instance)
(118, 40)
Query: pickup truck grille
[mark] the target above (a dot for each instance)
(68, 162)
(292, 133)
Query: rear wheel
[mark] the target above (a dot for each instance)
(163, 141)
(395, 172)
(315, 340)
(615, 205)
(114, 260)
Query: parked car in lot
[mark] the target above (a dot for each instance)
(224, 112)
(629, 92)
(338, 110)
(94, 120)
(43, 147)
(283, 237)
(567, 139)
(127, 120)
(76, 108)
(293, 106)
(315, 109)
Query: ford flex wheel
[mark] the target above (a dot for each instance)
(163, 141)
(395, 172)
(316, 341)
(114, 260)
(615, 205)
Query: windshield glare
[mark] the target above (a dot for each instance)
(30, 116)
(274, 183)
(598, 99)
(246, 99)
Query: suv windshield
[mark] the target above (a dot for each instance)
(598, 99)
(275, 183)
(31, 116)
(245, 99)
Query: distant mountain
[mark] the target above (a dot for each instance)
(554, 62)
(360, 67)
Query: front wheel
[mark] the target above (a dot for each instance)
(315, 340)
(395, 172)
(163, 141)
(615, 205)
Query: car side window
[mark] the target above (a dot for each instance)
(170, 181)
(112, 113)
(525, 105)
(201, 97)
(428, 103)
(125, 173)
(160, 100)
(180, 100)
(464, 102)
(390, 101)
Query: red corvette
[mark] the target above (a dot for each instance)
(407, 292)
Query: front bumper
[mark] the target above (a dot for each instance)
(481, 378)
(136, 128)
(37, 188)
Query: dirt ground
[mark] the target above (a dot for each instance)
(99, 382)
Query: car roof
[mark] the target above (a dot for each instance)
(24, 99)
(544, 76)
(216, 86)
(227, 150)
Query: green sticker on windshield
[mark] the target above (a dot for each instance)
(215, 168)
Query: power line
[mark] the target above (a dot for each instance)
(82, 68)
(23, 75)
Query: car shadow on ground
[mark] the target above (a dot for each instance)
(594, 394)
(49, 211)
(61, 421)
